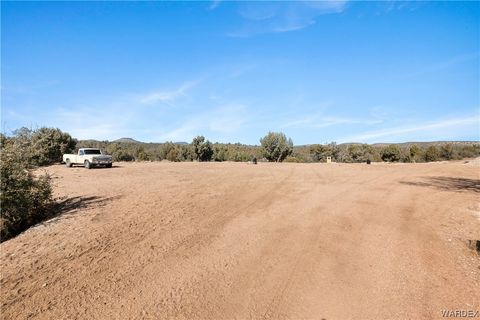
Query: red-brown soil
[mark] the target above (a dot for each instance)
(238, 241)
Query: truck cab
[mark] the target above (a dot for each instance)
(88, 157)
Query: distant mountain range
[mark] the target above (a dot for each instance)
(131, 140)
(128, 140)
(426, 144)
(401, 144)
(383, 144)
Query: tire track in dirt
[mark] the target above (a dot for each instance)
(275, 309)
(128, 269)
(277, 306)
(201, 241)
(264, 200)
(218, 241)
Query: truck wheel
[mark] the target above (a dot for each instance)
(87, 164)
(68, 163)
(109, 165)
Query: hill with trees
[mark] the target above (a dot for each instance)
(346, 152)
(129, 140)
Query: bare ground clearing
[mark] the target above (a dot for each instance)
(238, 241)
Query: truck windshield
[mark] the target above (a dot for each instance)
(92, 152)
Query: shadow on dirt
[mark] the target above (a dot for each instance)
(474, 245)
(97, 167)
(106, 168)
(64, 208)
(447, 184)
(69, 205)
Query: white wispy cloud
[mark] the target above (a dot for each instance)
(166, 96)
(118, 116)
(268, 17)
(214, 4)
(224, 120)
(240, 69)
(183, 132)
(93, 123)
(328, 6)
(432, 130)
(28, 88)
(391, 5)
(441, 65)
(227, 119)
(316, 121)
(131, 115)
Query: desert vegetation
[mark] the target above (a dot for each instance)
(276, 148)
(26, 193)
(26, 198)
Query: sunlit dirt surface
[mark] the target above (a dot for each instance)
(239, 241)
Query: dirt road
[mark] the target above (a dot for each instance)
(238, 241)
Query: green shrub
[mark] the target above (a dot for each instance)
(25, 199)
(202, 149)
(220, 153)
(43, 146)
(172, 155)
(319, 152)
(432, 154)
(391, 153)
(122, 155)
(121, 151)
(447, 152)
(468, 151)
(356, 153)
(276, 146)
(185, 153)
(52, 143)
(165, 149)
(140, 154)
(292, 159)
(414, 153)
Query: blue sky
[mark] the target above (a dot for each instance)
(232, 71)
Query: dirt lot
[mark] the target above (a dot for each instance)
(238, 241)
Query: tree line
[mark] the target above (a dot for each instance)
(277, 147)
(415, 152)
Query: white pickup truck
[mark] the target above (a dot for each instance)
(88, 157)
